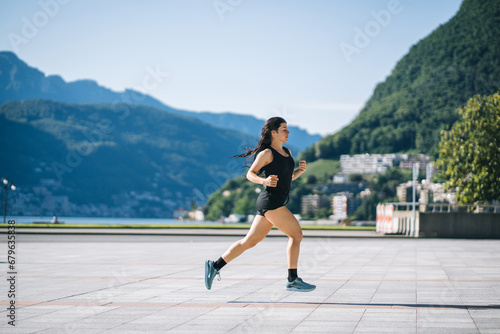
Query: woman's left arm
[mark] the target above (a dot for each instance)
(302, 168)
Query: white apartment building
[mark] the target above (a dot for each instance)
(368, 163)
(344, 204)
(339, 204)
(312, 203)
(379, 163)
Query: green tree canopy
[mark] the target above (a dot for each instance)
(469, 153)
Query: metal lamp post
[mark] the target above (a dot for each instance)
(6, 184)
(414, 201)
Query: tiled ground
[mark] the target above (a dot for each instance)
(138, 284)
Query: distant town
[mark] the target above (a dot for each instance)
(340, 197)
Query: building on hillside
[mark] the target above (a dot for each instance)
(368, 163)
(435, 193)
(345, 204)
(312, 203)
(340, 178)
(180, 213)
(333, 188)
(197, 214)
(404, 192)
(59, 205)
(379, 163)
(426, 192)
(422, 160)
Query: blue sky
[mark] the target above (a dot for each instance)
(313, 62)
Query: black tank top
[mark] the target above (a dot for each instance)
(283, 167)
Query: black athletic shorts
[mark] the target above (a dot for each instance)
(270, 200)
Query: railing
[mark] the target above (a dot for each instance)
(471, 208)
(404, 206)
(397, 218)
(446, 207)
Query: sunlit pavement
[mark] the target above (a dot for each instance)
(148, 283)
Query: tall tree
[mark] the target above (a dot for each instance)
(469, 153)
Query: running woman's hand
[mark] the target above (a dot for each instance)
(302, 166)
(271, 181)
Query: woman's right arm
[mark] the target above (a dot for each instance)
(263, 158)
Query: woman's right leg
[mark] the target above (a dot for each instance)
(258, 231)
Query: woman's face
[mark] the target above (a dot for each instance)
(282, 133)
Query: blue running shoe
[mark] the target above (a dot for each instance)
(210, 273)
(299, 285)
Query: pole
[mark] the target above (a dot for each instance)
(415, 176)
(4, 202)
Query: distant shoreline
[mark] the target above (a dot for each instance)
(180, 226)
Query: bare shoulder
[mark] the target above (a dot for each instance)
(266, 151)
(262, 159)
(289, 151)
(266, 155)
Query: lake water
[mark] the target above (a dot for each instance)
(104, 221)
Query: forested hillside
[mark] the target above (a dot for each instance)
(420, 97)
(116, 155)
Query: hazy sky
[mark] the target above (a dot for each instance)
(314, 62)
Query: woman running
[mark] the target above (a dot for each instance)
(277, 164)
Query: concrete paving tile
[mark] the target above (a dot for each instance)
(65, 331)
(320, 323)
(487, 322)
(349, 299)
(41, 320)
(371, 330)
(156, 321)
(83, 325)
(285, 315)
(262, 328)
(25, 313)
(394, 316)
(336, 330)
(324, 327)
(436, 312)
(485, 314)
(335, 315)
(448, 325)
(394, 296)
(223, 317)
(441, 330)
(24, 329)
(128, 331)
(157, 325)
(234, 312)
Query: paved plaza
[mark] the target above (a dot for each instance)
(154, 284)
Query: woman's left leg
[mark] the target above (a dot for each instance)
(286, 222)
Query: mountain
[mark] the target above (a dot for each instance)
(299, 138)
(420, 97)
(119, 159)
(19, 81)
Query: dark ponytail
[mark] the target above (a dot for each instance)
(265, 139)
